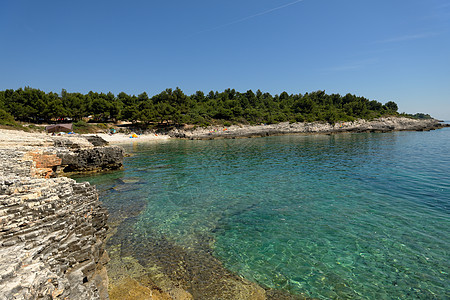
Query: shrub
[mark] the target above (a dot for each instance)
(6, 118)
(80, 124)
(33, 127)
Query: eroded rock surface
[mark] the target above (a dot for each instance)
(49, 156)
(52, 230)
(91, 159)
(52, 235)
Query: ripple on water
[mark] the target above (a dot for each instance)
(342, 216)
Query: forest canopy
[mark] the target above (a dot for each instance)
(172, 106)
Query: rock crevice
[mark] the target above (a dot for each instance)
(52, 229)
(51, 239)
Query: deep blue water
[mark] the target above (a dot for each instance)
(361, 216)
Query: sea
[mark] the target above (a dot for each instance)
(343, 216)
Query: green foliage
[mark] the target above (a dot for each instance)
(421, 116)
(6, 118)
(84, 127)
(33, 127)
(173, 107)
(391, 106)
(80, 124)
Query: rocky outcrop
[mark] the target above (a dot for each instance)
(53, 156)
(51, 240)
(96, 140)
(87, 154)
(91, 160)
(52, 230)
(378, 125)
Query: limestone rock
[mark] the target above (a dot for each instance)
(96, 140)
(240, 131)
(92, 159)
(52, 231)
(52, 235)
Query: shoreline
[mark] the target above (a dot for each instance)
(121, 138)
(53, 229)
(15, 143)
(388, 124)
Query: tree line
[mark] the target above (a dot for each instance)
(172, 106)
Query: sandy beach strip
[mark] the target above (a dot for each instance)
(14, 138)
(120, 138)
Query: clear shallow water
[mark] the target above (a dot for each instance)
(344, 216)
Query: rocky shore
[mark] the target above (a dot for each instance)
(40, 155)
(52, 229)
(242, 131)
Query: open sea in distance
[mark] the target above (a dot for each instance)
(346, 216)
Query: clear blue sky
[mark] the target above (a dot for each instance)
(383, 50)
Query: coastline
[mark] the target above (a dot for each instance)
(121, 138)
(386, 124)
(44, 160)
(53, 229)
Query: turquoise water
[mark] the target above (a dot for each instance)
(360, 216)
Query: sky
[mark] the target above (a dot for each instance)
(385, 50)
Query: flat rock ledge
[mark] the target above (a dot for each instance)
(46, 156)
(52, 229)
(386, 124)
